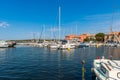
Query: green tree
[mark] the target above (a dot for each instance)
(86, 39)
(100, 37)
(92, 39)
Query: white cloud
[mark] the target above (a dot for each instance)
(4, 24)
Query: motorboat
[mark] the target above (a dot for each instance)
(54, 46)
(81, 45)
(106, 69)
(3, 44)
(67, 45)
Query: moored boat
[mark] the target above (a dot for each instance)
(54, 46)
(3, 44)
(11, 44)
(106, 69)
(6, 44)
(67, 45)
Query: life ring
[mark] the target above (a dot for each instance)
(118, 75)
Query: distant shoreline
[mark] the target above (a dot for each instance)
(32, 40)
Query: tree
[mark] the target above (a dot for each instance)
(100, 37)
(92, 39)
(86, 39)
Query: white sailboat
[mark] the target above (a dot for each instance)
(45, 43)
(56, 45)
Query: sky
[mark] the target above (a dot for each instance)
(28, 19)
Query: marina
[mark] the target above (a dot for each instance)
(59, 40)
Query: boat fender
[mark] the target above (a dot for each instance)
(103, 57)
(98, 57)
(118, 75)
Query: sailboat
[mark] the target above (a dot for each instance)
(43, 43)
(56, 45)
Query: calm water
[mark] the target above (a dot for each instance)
(32, 63)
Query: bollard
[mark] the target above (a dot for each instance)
(83, 70)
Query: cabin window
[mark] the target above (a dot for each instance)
(97, 78)
(103, 69)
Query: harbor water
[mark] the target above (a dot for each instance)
(34, 63)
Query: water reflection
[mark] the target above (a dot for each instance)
(108, 51)
(2, 54)
(112, 51)
(36, 63)
(66, 54)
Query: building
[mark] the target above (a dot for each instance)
(91, 36)
(69, 37)
(112, 37)
(80, 37)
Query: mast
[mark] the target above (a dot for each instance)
(44, 31)
(33, 37)
(59, 20)
(112, 22)
(76, 29)
(51, 33)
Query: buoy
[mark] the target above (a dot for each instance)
(103, 57)
(97, 46)
(68, 49)
(98, 57)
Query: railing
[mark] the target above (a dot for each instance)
(117, 66)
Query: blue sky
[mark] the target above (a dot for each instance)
(20, 19)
